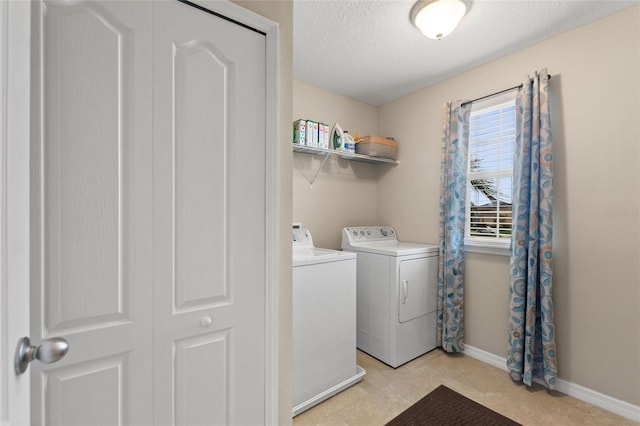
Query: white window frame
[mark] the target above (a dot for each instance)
(476, 244)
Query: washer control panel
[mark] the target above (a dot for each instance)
(355, 234)
(301, 237)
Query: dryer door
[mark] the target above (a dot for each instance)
(417, 288)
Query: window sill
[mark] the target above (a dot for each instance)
(488, 247)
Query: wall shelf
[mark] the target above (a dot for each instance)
(347, 156)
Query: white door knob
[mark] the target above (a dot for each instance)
(206, 321)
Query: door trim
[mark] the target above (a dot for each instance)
(15, 28)
(15, 39)
(4, 20)
(273, 229)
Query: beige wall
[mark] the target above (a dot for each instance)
(282, 12)
(344, 193)
(595, 104)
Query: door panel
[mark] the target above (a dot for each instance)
(105, 403)
(200, 78)
(209, 206)
(91, 203)
(85, 153)
(418, 288)
(203, 390)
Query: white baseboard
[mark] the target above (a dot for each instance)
(619, 407)
(486, 357)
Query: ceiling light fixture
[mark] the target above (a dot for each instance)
(438, 18)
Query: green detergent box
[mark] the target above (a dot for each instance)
(300, 132)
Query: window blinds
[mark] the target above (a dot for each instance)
(490, 171)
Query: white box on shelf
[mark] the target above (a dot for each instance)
(312, 134)
(323, 135)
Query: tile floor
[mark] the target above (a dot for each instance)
(386, 392)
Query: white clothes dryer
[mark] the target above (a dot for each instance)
(397, 289)
(324, 322)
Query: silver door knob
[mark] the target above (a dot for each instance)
(51, 350)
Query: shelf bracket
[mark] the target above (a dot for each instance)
(324, 160)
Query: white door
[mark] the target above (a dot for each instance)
(417, 292)
(148, 209)
(209, 199)
(91, 211)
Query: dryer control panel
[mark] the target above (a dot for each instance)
(355, 234)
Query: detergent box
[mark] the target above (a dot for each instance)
(312, 134)
(323, 136)
(299, 132)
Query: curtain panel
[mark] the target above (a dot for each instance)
(532, 350)
(453, 188)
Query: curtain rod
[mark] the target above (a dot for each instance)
(518, 87)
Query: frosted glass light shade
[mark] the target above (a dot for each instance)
(438, 18)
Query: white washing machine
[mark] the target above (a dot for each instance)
(397, 289)
(324, 322)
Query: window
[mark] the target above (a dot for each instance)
(492, 134)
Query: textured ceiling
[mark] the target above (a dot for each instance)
(369, 50)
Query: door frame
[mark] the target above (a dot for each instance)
(15, 40)
(15, 62)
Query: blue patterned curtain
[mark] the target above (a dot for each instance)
(532, 348)
(453, 175)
